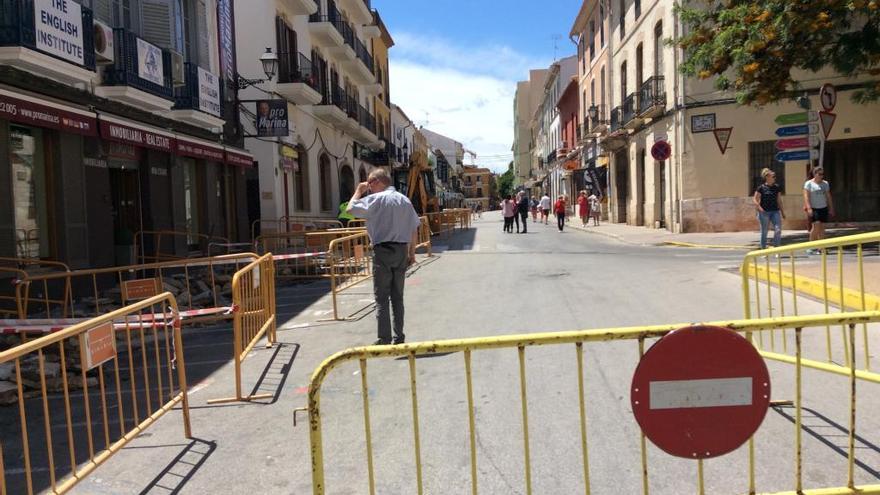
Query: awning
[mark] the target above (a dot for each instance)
(136, 134)
(198, 148)
(240, 158)
(30, 110)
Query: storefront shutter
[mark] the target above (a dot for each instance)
(157, 19)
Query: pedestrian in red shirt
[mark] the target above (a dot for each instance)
(559, 209)
(583, 207)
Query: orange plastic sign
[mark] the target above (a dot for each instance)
(98, 345)
(143, 288)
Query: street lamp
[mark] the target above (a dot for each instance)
(269, 61)
(593, 111)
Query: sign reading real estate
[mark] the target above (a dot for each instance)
(150, 65)
(209, 92)
(59, 29)
(272, 118)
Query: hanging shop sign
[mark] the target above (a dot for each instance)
(30, 113)
(272, 118)
(289, 159)
(209, 92)
(59, 29)
(150, 65)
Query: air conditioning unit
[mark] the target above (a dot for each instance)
(178, 75)
(104, 53)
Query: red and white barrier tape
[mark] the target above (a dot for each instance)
(154, 320)
(295, 256)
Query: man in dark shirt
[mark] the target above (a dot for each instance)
(522, 208)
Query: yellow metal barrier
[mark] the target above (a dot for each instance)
(773, 281)
(302, 255)
(165, 245)
(197, 283)
(579, 341)
(253, 297)
(292, 224)
(350, 260)
(128, 365)
(356, 222)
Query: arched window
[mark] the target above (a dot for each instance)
(346, 183)
(301, 181)
(326, 183)
(362, 174)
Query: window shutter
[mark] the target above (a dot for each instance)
(203, 33)
(101, 9)
(157, 20)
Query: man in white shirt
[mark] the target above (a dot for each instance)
(392, 224)
(545, 207)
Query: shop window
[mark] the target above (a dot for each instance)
(301, 181)
(191, 200)
(763, 155)
(326, 182)
(30, 192)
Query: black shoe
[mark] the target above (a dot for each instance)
(381, 342)
(398, 340)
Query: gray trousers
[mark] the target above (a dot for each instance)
(389, 272)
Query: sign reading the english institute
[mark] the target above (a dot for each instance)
(59, 29)
(150, 65)
(209, 92)
(272, 118)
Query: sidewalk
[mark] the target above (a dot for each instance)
(721, 240)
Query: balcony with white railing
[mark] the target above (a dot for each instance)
(332, 108)
(326, 29)
(298, 79)
(359, 10)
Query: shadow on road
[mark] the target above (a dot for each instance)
(276, 372)
(179, 471)
(824, 422)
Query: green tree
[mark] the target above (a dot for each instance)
(505, 182)
(752, 46)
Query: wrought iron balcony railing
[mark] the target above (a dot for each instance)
(616, 117)
(125, 69)
(297, 68)
(18, 28)
(652, 94)
(629, 109)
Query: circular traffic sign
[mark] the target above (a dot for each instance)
(828, 97)
(661, 150)
(700, 392)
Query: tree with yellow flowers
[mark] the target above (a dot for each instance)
(751, 47)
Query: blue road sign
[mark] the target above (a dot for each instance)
(794, 130)
(793, 156)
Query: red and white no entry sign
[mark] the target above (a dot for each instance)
(700, 392)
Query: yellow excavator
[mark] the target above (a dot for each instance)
(420, 185)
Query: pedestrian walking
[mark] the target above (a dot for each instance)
(393, 226)
(507, 212)
(479, 210)
(523, 209)
(818, 205)
(768, 201)
(559, 209)
(533, 207)
(516, 210)
(545, 207)
(583, 207)
(595, 208)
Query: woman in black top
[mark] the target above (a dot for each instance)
(768, 200)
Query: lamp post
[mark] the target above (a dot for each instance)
(269, 61)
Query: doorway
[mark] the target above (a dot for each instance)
(640, 188)
(125, 192)
(621, 183)
(346, 183)
(663, 194)
(852, 168)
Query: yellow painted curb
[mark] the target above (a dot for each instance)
(849, 299)
(706, 246)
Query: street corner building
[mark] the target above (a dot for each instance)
(117, 118)
(634, 104)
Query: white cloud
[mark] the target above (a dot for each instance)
(464, 92)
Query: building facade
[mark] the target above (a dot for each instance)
(131, 128)
(327, 82)
(704, 185)
(476, 186)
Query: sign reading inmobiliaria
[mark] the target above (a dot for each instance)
(59, 29)
(135, 136)
(198, 150)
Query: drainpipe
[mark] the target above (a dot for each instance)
(679, 129)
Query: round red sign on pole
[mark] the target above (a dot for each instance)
(700, 392)
(661, 150)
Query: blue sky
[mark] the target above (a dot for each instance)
(455, 63)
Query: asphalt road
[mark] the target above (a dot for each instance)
(483, 283)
